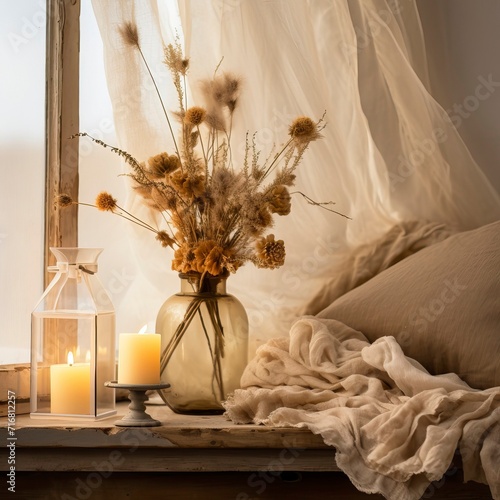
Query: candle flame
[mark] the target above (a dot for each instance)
(71, 359)
(143, 329)
(87, 357)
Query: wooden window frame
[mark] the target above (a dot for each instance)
(62, 121)
(62, 80)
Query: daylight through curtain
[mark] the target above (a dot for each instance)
(389, 152)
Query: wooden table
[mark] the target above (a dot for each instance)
(187, 457)
(182, 443)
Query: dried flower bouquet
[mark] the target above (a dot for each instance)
(216, 216)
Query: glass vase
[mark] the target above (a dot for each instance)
(204, 333)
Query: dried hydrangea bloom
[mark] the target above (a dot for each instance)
(165, 239)
(184, 259)
(216, 261)
(201, 252)
(105, 202)
(194, 116)
(280, 201)
(303, 130)
(212, 258)
(188, 186)
(270, 253)
(63, 200)
(163, 164)
(178, 259)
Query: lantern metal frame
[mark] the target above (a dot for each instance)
(75, 314)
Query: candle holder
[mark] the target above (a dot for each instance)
(73, 341)
(137, 416)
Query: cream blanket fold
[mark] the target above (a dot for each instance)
(395, 427)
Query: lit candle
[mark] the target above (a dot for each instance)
(139, 358)
(70, 388)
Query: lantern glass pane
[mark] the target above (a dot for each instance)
(73, 341)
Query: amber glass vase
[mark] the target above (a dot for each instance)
(204, 334)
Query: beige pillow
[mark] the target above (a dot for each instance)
(366, 261)
(442, 305)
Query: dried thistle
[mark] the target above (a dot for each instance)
(303, 130)
(105, 202)
(194, 116)
(63, 200)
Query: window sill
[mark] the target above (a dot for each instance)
(181, 444)
(237, 458)
(15, 378)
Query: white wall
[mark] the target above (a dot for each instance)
(462, 39)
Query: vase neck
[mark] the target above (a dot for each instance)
(192, 283)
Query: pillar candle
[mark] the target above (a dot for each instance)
(139, 358)
(70, 388)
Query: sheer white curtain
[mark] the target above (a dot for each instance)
(389, 153)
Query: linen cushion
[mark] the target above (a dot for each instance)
(441, 304)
